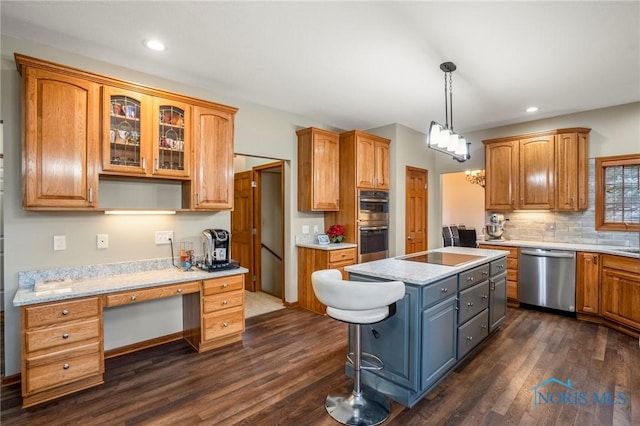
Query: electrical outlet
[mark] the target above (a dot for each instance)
(315, 229)
(59, 242)
(164, 237)
(102, 241)
(305, 229)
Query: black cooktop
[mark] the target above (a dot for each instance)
(439, 258)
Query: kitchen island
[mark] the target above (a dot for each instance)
(455, 297)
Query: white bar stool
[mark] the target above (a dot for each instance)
(357, 303)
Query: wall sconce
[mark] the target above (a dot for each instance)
(475, 176)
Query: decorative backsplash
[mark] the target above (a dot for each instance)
(572, 227)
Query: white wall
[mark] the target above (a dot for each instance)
(462, 202)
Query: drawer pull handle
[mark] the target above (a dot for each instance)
(224, 324)
(484, 296)
(500, 266)
(65, 366)
(225, 285)
(65, 312)
(65, 336)
(470, 304)
(483, 327)
(133, 298)
(179, 290)
(444, 289)
(470, 279)
(469, 338)
(224, 302)
(485, 273)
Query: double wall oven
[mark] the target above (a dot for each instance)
(373, 225)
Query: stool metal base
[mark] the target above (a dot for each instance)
(366, 408)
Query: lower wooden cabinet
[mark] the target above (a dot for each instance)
(587, 283)
(620, 290)
(62, 349)
(217, 318)
(310, 260)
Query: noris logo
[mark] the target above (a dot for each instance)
(556, 392)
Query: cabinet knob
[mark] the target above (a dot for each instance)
(179, 290)
(65, 336)
(65, 366)
(224, 302)
(469, 338)
(444, 289)
(224, 324)
(225, 285)
(484, 297)
(65, 312)
(500, 266)
(133, 298)
(485, 273)
(470, 304)
(470, 279)
(483, 327)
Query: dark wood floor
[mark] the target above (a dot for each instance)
(290, 359)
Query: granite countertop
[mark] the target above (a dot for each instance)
(593, 248)
(423, 273)
(332, 246)
(90, 280)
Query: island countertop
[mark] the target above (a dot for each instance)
(398, 269)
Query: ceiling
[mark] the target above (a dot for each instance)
(364, 64)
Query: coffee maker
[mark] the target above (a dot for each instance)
(216, 248)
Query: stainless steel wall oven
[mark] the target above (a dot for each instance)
(373, 225)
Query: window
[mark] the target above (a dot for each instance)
(618, 193)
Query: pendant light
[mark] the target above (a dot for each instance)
(443, 138)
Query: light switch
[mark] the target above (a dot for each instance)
(305, 229)
(59, 242)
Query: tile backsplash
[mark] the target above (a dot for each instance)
(573, 227)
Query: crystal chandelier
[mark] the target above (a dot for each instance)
(475, 176)
(443, 138)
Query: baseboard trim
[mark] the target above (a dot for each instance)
(11, 380)
(112, 353)
(291, 304)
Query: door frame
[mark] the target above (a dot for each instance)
(257, 217)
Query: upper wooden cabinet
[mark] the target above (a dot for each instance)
(318, 170)
(79, 125)
(212, 184)
(60, 139)
(369, 155)
(538, 171)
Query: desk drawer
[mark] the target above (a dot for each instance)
(62, 367)
(62, 335)
(224, 284)
(151, 293)
(60, 312)
(224, 322)
(342, 255)
(225, 300)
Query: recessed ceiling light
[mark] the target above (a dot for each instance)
(154, 44)
(532, 109)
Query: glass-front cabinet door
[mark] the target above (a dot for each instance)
(172, 139)
(126, 129)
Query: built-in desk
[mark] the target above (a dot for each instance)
(62, 319)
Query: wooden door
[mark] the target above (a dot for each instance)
(242, 225)
(213, 159)
(416, 210)
(537, 175)
(501, 165)
(61, 134)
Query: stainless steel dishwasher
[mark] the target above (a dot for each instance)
(547, 278)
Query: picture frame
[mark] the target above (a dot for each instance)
(323, 239)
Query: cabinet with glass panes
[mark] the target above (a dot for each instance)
(145, 135)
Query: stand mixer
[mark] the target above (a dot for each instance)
(494, 228)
